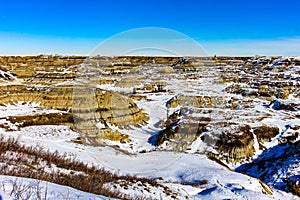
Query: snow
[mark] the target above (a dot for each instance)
(191, 175)
(174, 168)
(7, 75)
(23, 188)
(23, 108)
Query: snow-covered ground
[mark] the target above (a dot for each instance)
(193, 176)
(13, 188)
(190, 175)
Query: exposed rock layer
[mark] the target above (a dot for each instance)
(51, 81)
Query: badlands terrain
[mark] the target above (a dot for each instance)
(78, 127)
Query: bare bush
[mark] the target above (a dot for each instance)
(19, 160)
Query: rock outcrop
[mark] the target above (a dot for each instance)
(51, 82)
(203, 101)
(265, 133)
(252, 78)
(236, 146)
(179, 133)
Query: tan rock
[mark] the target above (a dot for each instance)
(265, 133)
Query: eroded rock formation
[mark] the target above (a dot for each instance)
(51, 82)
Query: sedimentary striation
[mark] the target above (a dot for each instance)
(230, 108)
(52, 82)
(212, 98)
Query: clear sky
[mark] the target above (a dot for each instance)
(222, 27)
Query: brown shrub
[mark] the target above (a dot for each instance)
(30, 162)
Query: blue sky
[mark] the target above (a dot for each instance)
(231, 27)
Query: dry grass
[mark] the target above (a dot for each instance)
(18, 160)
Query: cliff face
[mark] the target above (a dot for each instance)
(51, 82)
